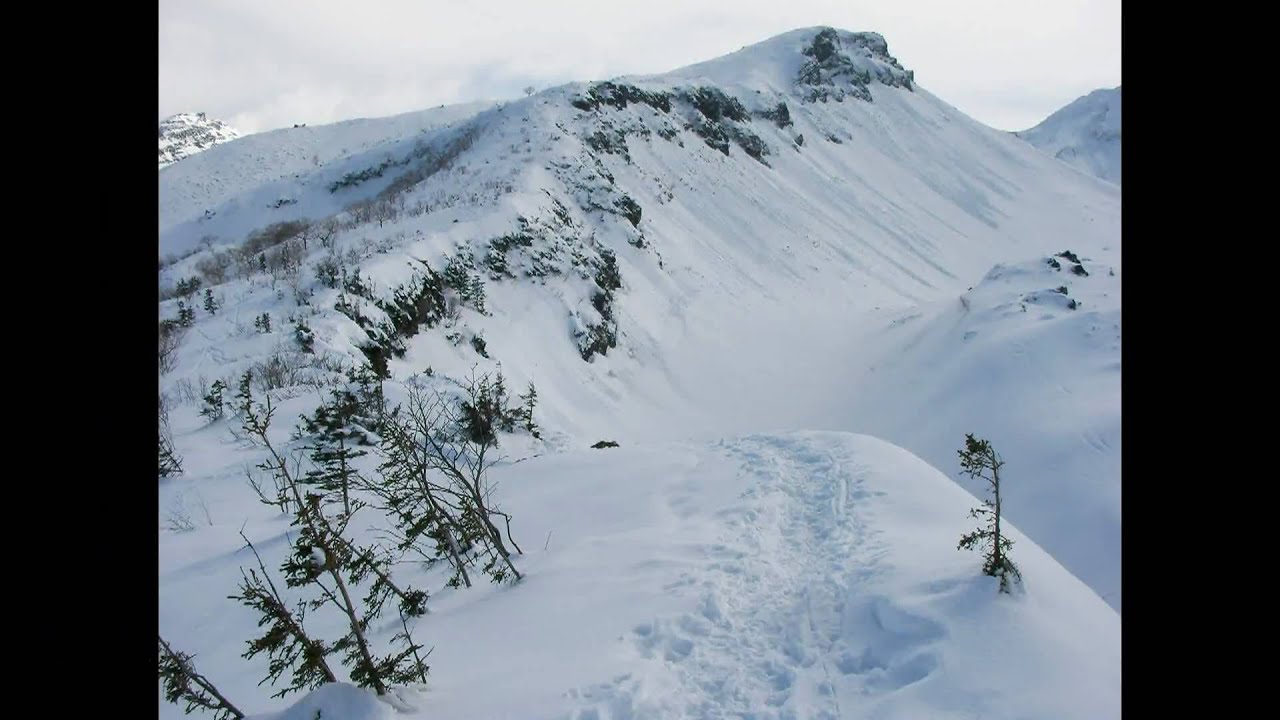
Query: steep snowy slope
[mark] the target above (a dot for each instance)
(186, 134)
(763, 236)
(1084, 133)
(804, 575)
(794, 236)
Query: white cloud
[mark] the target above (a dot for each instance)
(261, 65)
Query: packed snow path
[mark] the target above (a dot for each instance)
(804, 575)
(795, 614)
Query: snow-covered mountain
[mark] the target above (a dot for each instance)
(1085, 133)
(186, 134)
(696, 265)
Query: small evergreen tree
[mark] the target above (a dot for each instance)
(210, 305)
(188, 287)
(183, 683)
(213, 402)
(528, 401)
(186, 314)
(285, 641)
(263, 323)
(243, 400)
(980, 461)
(262, 262)
(335, 439)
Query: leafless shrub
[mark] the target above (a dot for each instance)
(171, 335)
(189, 392)
(179, 519)
(214, 268)
(170, 461)
(281, 369)
(272, 235)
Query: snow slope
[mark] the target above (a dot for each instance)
(1085, 133)
(211, 179)
(186, 134)
(806, 575)
(857, 263)
(750, 277)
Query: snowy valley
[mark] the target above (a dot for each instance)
(786, 282)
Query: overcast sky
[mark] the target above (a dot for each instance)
(263, 64)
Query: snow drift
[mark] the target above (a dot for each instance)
(799, 575)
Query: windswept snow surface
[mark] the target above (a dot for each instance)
(1085, 134)
(800, 575)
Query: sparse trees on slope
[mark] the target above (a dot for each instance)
(183, 684)
(439, 449)
(979, 460)
(325, 560)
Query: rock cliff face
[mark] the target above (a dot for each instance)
(186, 134)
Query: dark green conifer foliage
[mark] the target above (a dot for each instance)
(285, 640)
(210, 305)
(528, 401)
(213, 402)
(183, 684)
(186, 314)
(979, 460)
(325, 561)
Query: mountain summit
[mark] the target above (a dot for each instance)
(186, 134)
(1084, 133)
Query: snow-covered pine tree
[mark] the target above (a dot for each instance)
(210, 305)
(979, 460)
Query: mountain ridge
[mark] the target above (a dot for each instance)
(714, 252)
(1084, 133)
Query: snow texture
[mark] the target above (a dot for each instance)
(1084, 134)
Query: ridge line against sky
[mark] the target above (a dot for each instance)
(260, 66)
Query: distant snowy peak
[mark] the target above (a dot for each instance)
(816, 63)
(1085, 133)
(186, 134)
